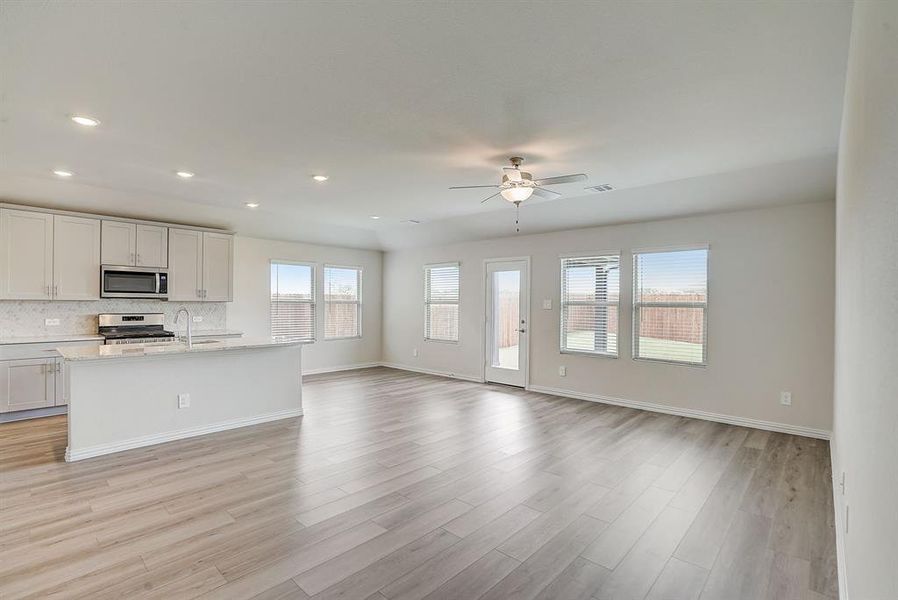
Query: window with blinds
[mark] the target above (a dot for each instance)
(670, 305)
(441, 302)
(590, 295)
(342, 302)
(293, 301)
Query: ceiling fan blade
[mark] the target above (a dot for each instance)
(471, 187)
(544, 193)
(490, 198)
(561, 179)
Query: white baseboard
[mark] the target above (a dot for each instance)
(431, 372)
(839, 524)
(352, 367)
(23, 415)
(688, 412)
(159, 438)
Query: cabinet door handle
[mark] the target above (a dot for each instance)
(199, 293)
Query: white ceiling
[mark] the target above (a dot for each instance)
(737, 102)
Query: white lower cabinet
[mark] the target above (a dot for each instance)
(29, 383)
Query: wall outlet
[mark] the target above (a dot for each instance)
(197, 319)
(415, 352)
(786, 398)
(51, 322)
(562, 370)
(183, 400)
(547, 304)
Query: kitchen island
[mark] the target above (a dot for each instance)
(127, 396)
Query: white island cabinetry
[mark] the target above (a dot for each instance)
(123, 397)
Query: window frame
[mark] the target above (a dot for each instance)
(426, 269)
(314, 294)
(636, 305)
(325, 301)
(562, 304)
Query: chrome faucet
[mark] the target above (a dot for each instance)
(189, 331)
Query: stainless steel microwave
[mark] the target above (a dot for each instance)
(133, 282)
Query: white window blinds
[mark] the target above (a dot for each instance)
(293, 301)
(670, 305)
(441, 302)
(590, 295)
(342, 302)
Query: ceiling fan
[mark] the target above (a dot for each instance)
(517, 185)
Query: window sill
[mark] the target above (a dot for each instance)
(455, 342)
(337, 339)
(678, 363)
(584, 353)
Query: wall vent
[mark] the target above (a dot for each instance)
(602, 187)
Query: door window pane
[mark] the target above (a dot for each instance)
(506, 319)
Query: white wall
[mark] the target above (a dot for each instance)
(250, 310)
(865, 444)
(770, 316)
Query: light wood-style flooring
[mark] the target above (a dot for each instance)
(398, 486)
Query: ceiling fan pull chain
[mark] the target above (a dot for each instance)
(517, 215)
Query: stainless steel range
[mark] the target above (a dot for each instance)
(134, 328)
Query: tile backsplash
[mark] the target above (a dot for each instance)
(26, 317)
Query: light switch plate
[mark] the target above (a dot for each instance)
(547, 304)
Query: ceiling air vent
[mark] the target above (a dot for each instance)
(602, 187)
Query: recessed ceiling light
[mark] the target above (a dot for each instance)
(86, 121)
(62, 173)
(252, 205)
(184, 174)
(374, 217)
(320, 178)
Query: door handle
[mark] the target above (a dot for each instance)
(522, 330)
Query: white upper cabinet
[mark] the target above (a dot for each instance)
(152, 246)
(76, 258)
(218, 258)
(201, 266)
(129, 244)
(185, 265)
(119, 243)
(26, 255)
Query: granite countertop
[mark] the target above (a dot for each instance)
(212, 332)
(85, 353)
(49, 338)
